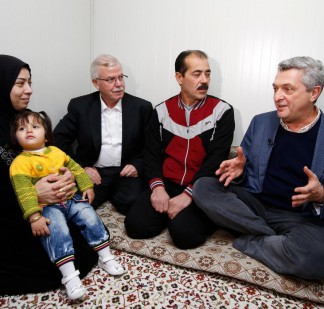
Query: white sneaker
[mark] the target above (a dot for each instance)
(111, 266)
(75, 291)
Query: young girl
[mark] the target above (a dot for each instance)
(32, 132)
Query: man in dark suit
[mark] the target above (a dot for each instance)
(108, 126)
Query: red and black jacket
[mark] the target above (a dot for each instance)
(183, 152)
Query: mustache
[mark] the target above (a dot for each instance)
(203, 87)
(118, 89)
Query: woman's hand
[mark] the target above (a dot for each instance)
(55, 188)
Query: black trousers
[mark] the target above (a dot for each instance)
(122, 192)
(189, 229)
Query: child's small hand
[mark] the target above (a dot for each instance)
(39, 227)
(88, 194)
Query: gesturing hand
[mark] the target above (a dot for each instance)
(231, 169)
(312, 192)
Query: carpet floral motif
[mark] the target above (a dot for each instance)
(216, 256)
(162, 276)
(154, 284)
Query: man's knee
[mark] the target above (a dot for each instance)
(96, 203)
(199, 188)
(188, 236)
(136, 229)
(123, 201)
(202, 189)
(131, 227)
(185, 241)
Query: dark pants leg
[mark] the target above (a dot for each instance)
(188, 229)
(142, 221)
(122, 192)
(232, 208)
(281, 239)
(297, 249)
(126, 192)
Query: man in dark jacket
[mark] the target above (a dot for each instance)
(108, 126)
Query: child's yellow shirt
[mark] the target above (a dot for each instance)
(29, 167)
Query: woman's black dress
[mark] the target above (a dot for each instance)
(24, 265)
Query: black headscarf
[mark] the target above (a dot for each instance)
(9, 70)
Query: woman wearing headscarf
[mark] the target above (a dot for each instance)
(24, 265)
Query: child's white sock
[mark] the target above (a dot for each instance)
(104, 252)
(108, 263)
(66, 270)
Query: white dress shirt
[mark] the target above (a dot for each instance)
(111, 135)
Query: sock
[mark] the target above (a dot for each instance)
(66, 270)
(112, 266)
(104, 252)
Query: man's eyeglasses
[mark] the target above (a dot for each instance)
(112, 80)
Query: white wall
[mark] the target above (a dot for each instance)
(245, 40)
(53, 37)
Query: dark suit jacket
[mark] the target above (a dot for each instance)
(82, 124)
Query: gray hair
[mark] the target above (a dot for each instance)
(102, 60)
(313, 70)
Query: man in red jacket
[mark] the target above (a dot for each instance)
(188, 136)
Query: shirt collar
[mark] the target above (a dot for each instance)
(35, 151)
(194, 106)
(305, 128)
(118, 106)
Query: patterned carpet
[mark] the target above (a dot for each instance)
(214, 275)
(216, 256)
(153, 284)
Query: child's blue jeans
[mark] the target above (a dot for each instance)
(59, 243)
